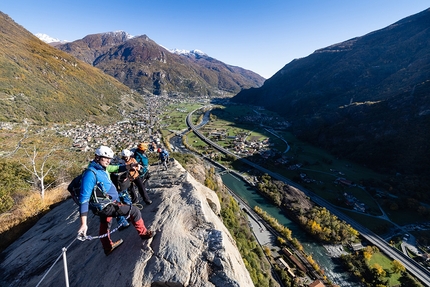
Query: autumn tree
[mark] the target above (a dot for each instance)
(379, 270)
(368, 252)
(281, 240)
(397, 267)
(266, 250)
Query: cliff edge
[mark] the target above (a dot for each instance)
(192, 247)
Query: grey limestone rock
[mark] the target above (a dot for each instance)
(191, 247)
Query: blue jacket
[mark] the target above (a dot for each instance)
(142, 160)
(88, 183)
(164, 154)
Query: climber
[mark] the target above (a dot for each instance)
(104, 202)
(163, 156)
(135, 179)
(144, 174)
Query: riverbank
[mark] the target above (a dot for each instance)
(331, 265)
(335, 251)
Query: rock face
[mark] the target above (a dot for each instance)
(192, 247)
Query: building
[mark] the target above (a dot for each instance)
(317, 283)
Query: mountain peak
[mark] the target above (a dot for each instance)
(48, 39)
(194, 52)
(118, 34)
(148, 67)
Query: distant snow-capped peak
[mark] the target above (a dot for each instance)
(187, 52)
(120, 33)
(48, 39)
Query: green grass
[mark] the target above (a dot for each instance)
(328, 194)
(335, 194)
(385, 262)
(174, 116)
(195, 142)
(321, 161)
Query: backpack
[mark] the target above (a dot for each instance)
(74, 189)
(121, 180)
(164, 154)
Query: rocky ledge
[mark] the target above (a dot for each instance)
(192, 247)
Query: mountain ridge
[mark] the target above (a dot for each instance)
(348, 97)
(143, 65)
(44, 84)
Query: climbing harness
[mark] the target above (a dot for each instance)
(82, 237)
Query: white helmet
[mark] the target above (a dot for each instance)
(126, 153)
(104, 151)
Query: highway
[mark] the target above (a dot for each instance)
(412, 266)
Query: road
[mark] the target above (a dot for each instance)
(411, 265)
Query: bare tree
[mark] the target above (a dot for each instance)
(25, 135)
(39, 170)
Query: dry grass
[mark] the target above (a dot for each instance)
(31, 206)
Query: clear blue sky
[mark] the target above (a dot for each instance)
(261, 36)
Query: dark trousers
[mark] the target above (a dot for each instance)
(114, 210)
(141, 187)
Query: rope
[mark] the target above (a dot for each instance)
(56, 260)
(82, 237)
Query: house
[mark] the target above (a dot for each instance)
(295, 260)
(360, 207)
(317, 283)
(282, 264)
(356, 246)
(344, 181)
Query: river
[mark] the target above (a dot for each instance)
(331, 266)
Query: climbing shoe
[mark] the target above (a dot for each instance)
(148, 202)
(114, 245)
(148, 234)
